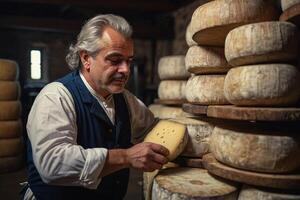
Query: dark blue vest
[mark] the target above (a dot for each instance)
(94, 130)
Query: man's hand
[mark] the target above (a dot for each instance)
(147, 156)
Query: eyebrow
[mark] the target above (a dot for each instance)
(116, 54)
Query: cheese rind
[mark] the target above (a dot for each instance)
(172, 68)
(191, 183)
(8, 70)
(206, 90)
(169, 134)
(167, 112)
(212, 21)
(265, 42)
(251, 146)
(188, 36)
(10, 110)
(8, 164)
(206, 60)
(285, 4)
(262, 85)
(10, 147)
(9, 90)
(172, 90)
(10, 129)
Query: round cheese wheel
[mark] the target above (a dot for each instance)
(8, 70)
(212, 21)
(285, 4)
(172, 90)
(10, 110)
(9, 90)
(206, 60)
(251, 193)
(265, 42)
(167, 112)
(199, 132)
(191, 183)
(172, 68)
(206, 90)
(10, 147)
(262, 85)
(10, 129)
(256, 147)
(9, 164)
(188, 36)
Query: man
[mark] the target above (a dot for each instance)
(80, 128)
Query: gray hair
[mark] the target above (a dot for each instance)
(90, 36)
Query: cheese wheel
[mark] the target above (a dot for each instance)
(265, 42)
(188, 36)
(8, 164)
(256, 147)
(10, 110)
(263, 85)
(251, 193)
(191, 183)
(167, 112)
(171, 135)
(206, 90)
(206, 60)
(285, 4)
(172, 90)
(212, 21)
(9, 90)
(199, 132)
(172, 67)
(10, 129)
(8, 70)
(10, 147)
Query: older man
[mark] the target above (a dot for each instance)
(81, 127)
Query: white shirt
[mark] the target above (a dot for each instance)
(52, 131)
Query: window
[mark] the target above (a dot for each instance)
(35, 64)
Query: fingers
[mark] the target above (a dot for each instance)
(159, 149)
(158, 158)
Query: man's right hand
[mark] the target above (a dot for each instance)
(147, 156)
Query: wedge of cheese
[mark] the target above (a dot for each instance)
(172, 90)
(9, 70)
(172, 68)
(169, 134)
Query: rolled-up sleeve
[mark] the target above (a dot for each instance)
(52, 131)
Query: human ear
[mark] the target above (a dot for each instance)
(85, 59)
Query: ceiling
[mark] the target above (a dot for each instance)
(149, 18)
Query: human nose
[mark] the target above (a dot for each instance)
(124, 67)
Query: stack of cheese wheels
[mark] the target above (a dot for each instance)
(11, 143)
(286, 4)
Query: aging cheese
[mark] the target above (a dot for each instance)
(199, 132)
(10, 147)
(285, 4)
(167, 112)
(10, 110)
(8, 164)
(206, 60)
(188, 36)
(172, 90)
(172, 68)
(263, 85)
(8, 70)
(191, 183)
(10, 129)
(171, 135)
(256, 147)
(206, 90)
(212, 21)
(251, 193)
(265, 42)
(9, 90)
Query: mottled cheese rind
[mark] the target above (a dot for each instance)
(10, 129)
(9, 90)
(172, 90)
(188, 37)
(8, 70)
(172, 68)
(285, 4)
(191, 183)
(10, 110)
(263, 85)
(169, 134)
(265, 42)
(253, 147)
(167, 112)
(206, 90)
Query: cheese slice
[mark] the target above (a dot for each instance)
(188, 36)
(172, 68)
(171, 135)
(257, 147)
(191, 183)
(252, 193)
(10, 147)
(8, 70)
(206, 90)
(10, 129)
(167, 112)
(12, 163)
(206, 60)
(10, 110)
(285, 4)
(263, 85)
(172, 90)
(265, 42)
(212, 21)
(9, 90)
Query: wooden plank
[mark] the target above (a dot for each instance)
(291, 14)
(194, 109)
(189, 162)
